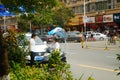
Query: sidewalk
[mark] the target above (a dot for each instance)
(102, 45)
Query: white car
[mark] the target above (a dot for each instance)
(89, 33)
(99, 36)
(41, 51)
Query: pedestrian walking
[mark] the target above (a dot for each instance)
(92, 39)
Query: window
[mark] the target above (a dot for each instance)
(118, 0)
(73, 9)
(74, 0)
(81, 9)
(97, 34)
(101, 6)
(109, 1)
(65, 1)
(109, 7)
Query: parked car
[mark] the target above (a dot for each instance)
(99, 36)
(75, 36)
(40, 50)
(48, 38)
(88, 33)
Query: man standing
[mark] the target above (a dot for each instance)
(32, 46)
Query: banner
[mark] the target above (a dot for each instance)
(75, 21)
(90, 19)
(116, 17)
(107, 18)
(99, 19)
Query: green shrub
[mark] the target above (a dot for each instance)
(54, 70)
(16, 53)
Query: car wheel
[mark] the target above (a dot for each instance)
(101, 39)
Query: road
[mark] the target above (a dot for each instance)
(94, 60)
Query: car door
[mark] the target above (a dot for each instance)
(97, 36)
(70, 36)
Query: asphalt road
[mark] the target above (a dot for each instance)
(94, 60)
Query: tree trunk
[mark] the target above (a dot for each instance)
(4, 64)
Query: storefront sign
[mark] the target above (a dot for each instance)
(107, 18)
(75, 21)
(90, 19)
(81, 20)
(99, 19)
(116, 17)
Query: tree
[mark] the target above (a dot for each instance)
(61, 15)
(29, 6)
(24, 21)
(40, 8)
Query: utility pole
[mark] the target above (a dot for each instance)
(85, 20)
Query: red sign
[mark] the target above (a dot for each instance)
(99, 19)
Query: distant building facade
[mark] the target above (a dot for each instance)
(8, 22)
(101, 15)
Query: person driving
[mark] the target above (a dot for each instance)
(55, 45)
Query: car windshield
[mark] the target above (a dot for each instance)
(38, 41)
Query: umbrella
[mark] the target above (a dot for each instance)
(61, 33)
(6, 13)
(58, 31)
(2, 6)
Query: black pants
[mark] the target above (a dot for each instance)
(32, 55)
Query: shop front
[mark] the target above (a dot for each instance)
(108, 22)
(91, 24)
(116, 19)
(99, 23)
(74, 24)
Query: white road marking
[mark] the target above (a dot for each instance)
(98, 68)
(111, 57)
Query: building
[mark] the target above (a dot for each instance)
(100, 15)
(7, 19)
(8, 22)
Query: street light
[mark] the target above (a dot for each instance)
(84, 21)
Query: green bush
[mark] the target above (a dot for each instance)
(54, 70)
(16, 52)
